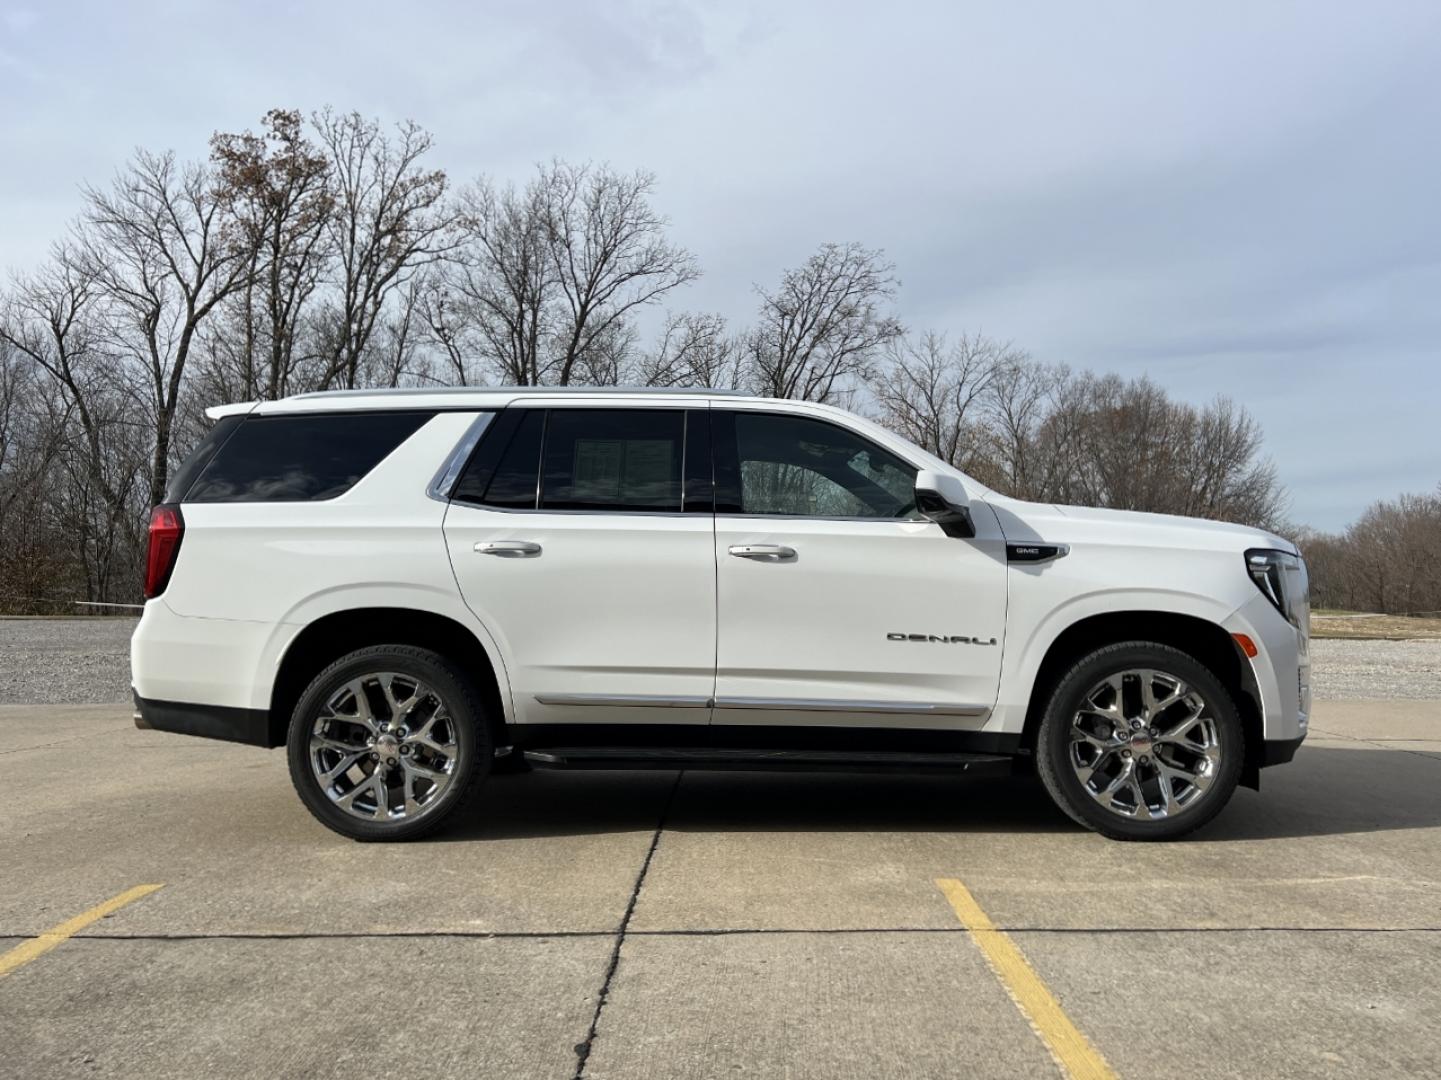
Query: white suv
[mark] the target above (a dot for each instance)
(409, 589)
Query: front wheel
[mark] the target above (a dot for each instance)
(1140, 742)
(388, 742)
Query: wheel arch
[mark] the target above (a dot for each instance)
(336, 633)
(1207, 641)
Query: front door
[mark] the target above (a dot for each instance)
(571, 541)
(837, 603)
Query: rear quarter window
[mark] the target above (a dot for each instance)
(299, 458)
(184, 477)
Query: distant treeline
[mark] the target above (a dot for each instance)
(1389, 560)
(328, 252)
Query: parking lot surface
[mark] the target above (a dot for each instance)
(664, 925)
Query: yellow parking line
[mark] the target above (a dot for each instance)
(1073, 1053)
(26, 951)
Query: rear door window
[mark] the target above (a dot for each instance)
(605, 460)
(505, 470)
(620, 460)
(300, 458)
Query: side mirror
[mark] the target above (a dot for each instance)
(942, 498)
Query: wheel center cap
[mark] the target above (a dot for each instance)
(387, 745)
(1141, 742)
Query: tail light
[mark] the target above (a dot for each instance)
(166, 529)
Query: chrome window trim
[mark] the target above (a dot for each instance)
(605, 513)
(829, 517)
(444, 480)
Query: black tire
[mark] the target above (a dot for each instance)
(1054, 739)
(471, 734)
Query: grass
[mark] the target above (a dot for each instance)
(1364, 626)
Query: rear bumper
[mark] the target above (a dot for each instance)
(250, 726)
(225, 662)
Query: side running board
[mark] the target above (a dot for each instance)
(739, 760)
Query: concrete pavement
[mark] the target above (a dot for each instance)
(784, 925)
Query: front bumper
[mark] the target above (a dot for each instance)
(1281, 671)
(1280, 751)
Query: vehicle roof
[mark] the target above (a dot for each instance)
(457, 397)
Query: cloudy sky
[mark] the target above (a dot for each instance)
(1239, 199)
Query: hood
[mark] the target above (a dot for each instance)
(1075, 524)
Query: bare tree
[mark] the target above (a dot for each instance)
(86, 445)
(823, 326)
(389, 219)
(276, 188)
(29, 553)
(608, 257)
(400, 359)
(156, 246)
(51, 318)
(1016, 403)
(932, 391)
(694, 350)
(34, 554)
(1224, 474)
(493, 299)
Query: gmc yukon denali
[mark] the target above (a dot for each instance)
(411, 589)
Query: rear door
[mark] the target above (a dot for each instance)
(837, 603)
(583, 538)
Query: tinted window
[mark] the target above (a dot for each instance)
(200, 457)
(613, 459)
(505, 471)
(798, 466)
(301, 458)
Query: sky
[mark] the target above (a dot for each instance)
(1233, 198)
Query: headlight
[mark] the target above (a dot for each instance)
(1282, 577)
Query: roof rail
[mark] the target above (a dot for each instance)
(409, 390)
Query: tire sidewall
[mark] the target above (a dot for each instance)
(471, 731)
(1053, 742)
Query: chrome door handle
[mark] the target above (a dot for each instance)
(763, 552)
(508, 549)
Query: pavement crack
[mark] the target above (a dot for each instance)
(1379, 744)
(583, 1048)
(57, 742)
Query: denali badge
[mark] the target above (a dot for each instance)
(944, 639)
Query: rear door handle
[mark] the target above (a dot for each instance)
(763, 552)
(508, 549)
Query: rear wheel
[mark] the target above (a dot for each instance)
(388, 742)
(1140, 742)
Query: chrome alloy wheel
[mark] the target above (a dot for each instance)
(1143, 745)
(384, 747)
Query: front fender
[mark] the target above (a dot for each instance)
(1035, 623)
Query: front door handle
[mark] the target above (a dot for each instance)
(508, 549)
(763, 552)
